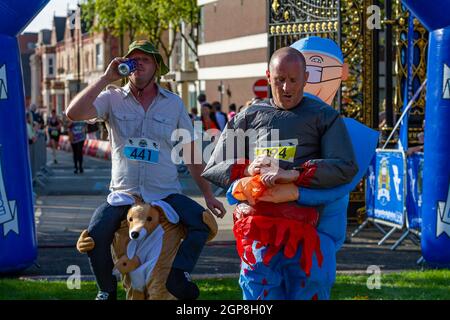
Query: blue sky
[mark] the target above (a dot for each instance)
(44, 19)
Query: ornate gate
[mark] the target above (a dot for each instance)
(342, 21)
(345, 22)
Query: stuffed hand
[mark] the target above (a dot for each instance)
(248, 189)
(85, 243)
(280, 193)
(252, 189)
(125, 265)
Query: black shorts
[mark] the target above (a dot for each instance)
(54, 137)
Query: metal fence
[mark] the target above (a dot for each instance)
(38, 160)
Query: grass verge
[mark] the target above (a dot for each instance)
(412, 285)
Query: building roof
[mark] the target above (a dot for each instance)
(59, 24)
(44, 37)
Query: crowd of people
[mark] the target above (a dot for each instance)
(212, 117)
(53, 127)
(211, 114)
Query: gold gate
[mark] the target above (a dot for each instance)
(342, 21)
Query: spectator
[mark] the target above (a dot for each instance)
(194, 114)
(201, 99)
(37, 117)
(209, 121)
(231, 111)
(221, 117)
(31, 133)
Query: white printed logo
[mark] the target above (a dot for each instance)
(3, 83)
(443, 217)
(374, 18)
(74, 280)
(374, 280)
(8, 210)
(397, 181)
(446, 83)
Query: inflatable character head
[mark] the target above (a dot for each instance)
(325, 65)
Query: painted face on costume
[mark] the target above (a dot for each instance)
(146, 66)
(325, 75)
(287, 82)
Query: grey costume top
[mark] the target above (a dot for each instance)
(315, 130)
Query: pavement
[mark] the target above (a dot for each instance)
(65, 203)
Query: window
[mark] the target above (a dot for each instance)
(99, 56)
(51, 67)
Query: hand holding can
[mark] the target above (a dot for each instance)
(127, 67)
(112, 73)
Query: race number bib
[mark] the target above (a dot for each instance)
(141, 149)
(282, 150)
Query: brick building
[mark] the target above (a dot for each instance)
(27, 43)
(233, 51)
(67, 59)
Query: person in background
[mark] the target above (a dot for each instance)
(194, 114)
(54, 131)
(31, 133)
(77, 135)
(208, 117)
(221, 117)
(231, 111)
(201, 99)
(37, 117)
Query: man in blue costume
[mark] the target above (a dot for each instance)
(272, 274)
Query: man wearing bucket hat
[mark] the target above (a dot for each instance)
(143, 114)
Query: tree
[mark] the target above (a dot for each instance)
(149, 18)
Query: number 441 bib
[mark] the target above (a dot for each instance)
(142, 149)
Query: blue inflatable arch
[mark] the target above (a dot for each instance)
(18, 245)
(436, 172)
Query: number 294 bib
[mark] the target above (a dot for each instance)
(282, 150)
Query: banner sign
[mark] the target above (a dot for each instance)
(390, 183)
(414, 194)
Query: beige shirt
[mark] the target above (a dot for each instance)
(125, 118)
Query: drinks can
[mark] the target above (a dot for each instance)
(127, 67)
